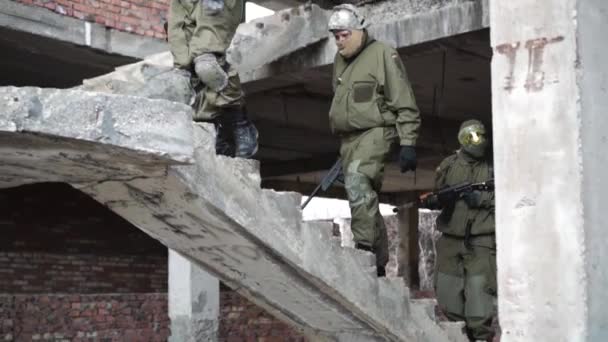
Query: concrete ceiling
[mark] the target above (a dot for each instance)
(32, 60)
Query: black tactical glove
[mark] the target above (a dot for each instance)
(472, 198)
(447, 199)
(407, 158)
(430, 202)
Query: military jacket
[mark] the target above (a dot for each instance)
(457, 169)
(371, 90)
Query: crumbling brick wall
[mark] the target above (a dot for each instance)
(142, 17)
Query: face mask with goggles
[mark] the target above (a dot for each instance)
(473, 139)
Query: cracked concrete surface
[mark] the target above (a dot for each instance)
(95, 137)
(277, 36)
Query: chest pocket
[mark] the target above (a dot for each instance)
(363, 91)
(363, 111)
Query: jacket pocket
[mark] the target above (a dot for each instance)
(363, 111)
(363, 91)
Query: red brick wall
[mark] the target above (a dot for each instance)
(137, 317)
(32, 272)
(243, 321)
(143, 17)
(55, 239)
(71, 267)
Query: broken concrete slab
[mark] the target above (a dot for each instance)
(87, 133)
(263, 41)
(153, 78)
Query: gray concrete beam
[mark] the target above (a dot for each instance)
(274, 37)
(264, 40)
(41, 21)
(215, 213)
(399, 28)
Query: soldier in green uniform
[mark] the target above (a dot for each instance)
(373, 110)
(199, 32)
(465, 271)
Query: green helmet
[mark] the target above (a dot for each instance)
(473, 138)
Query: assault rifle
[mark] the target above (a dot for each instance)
(335, 173)
(434, 200)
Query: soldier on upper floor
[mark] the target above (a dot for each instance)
(199, 32)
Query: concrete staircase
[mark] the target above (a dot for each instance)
(146, 161)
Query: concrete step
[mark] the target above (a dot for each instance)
(427, 305)
(455, 331)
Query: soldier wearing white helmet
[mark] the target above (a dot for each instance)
(372, 111)
(350, 25)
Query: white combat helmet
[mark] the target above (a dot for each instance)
(346, 17)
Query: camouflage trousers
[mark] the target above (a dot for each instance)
(364, 156)
(465, 282)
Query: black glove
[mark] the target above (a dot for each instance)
(430, 202)
(472, 198)
(407, 158)
(447, 199)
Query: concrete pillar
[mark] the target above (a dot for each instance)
(408, 256)
(194, 301)
(550, 114)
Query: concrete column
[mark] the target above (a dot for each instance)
(194, 301)
(550, 114)
(408, 256)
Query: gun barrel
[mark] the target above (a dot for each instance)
(310, 197)
(327, 181)
(407, 205)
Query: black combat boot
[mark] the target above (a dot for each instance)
(380, 270)
(245, 135)
(224, 140)
(363, 247)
